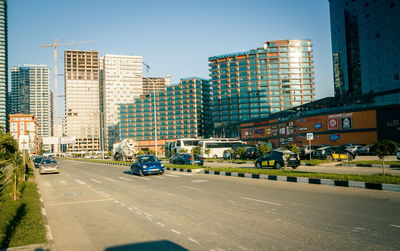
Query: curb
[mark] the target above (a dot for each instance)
(328, 182)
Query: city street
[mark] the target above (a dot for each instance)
(92, 206)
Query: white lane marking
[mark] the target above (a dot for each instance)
(193, 240)
(122, 204)
(262, 201)
(43, 211)
(184, 174)
(110, 179)
(97, 181)
(47, 184)
(131, 209)
(159, 177)
(140, 213)
(192, 188)
(80, 182)
(171, 175)
(142, 178)
(199, 181)
(177, 232)
(159, 223)
(149, 218)
(79, 202)
(393, 225)
(63, 182)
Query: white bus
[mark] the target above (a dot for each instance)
(217, 147)
(185, 144)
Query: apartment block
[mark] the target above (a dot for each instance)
(155, 84)
(121, 82)
(82, 99)
(182, 111)
(3, 66)
(24, 129)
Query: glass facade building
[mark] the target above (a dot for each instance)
(365, 46)
(3, 65)
(182, 111)
(252, 84)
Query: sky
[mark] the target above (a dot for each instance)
(174, 37)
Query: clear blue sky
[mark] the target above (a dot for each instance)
(175, 37)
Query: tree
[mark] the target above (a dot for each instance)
(384, 148)
(293, 148)
(8, 146)
(241, 151)
(196, 150)
(183, 150)
(263, 148)
(207, 151)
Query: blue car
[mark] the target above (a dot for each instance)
(147, 164)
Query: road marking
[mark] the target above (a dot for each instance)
(80, 182)
(392, 225)
(192, 188)
(110, 179)
(262, 201)
(122, 204)
(193, 240)
(159, 223)
(97, 181)
(149, 218)
(177, 232)
(142, 178)
(140, 213)
(184, 174)
(171, 175)
(79, 202)
(199, 181)
(63, 182)
(159, 177)
(47, 184)
(123, 178)
(131, 209)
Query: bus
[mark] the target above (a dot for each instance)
(183, 145)
(217, 147)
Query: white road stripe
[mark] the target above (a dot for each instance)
(149, 218)
(199, 181)
(177, 232)
(110, 179)
(184, 174)
(192, 188)
(171, 175)
(193, 240)
(79, 202)
(159, 177)
(262, 201)
(392, 225)
(159, 223)
(80, 182)
(123, 178)
(97, 181)
(47, 184)
(142, 178)
(63, 182)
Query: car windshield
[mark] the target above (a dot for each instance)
(38, 160)
(147, 159)
(49, 161)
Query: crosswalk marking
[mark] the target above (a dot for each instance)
(63, 182)
(171, 175)
(47, 184)
(80, 182)
(97, 181)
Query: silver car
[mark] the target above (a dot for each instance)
(49, 166)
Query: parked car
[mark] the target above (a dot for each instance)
(49, 166)
(37, 160)
(278, 159)
(333, 153)
(353, 147)
(365, 150)
(251, 153)
(306, 150)
(398, 155)
(186, 159)
(147, 164)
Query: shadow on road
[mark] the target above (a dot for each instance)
(10, 229)
(151, 245)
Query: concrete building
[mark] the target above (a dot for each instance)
(365, 48)
(82, 99)
(152, 84)
(3, 66)
(253, 84)
(121, 82)
(182, 111)
(30, 94)
(24, 129)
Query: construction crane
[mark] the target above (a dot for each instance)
(55, 46)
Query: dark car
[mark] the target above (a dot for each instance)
(333, 153)
(186, 159)
(147, 164)
(365, 150)
(37, 160)
(49, 166)
(251, 153)
(278, 160)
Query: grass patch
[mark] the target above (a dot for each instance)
(316, 162)
(375, 178)
(375, 162)
(21, 221)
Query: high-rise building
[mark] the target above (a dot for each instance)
(252, 84)
(365, 47)
(30, 94)
(3, 65)
(152, 84)
(121, 82)
(82, 100)
(183, 111)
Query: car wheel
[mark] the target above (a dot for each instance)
(277, 165)
(258, 165)
(329, 157)
(351, 157)
(132, 172)
(141, 172)
(161, 173)
(294, 167)
(215, 156)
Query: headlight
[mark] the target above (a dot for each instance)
(162, 165)
(144, 166)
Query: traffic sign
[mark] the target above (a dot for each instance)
(310, 136)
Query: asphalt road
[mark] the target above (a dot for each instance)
(93, 206)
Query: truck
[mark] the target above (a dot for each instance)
(125, 150)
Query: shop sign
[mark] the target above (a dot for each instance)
(346, 123)
(333, 124)
(317, 126)
(334, 137)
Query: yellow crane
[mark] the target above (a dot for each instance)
(55, 70)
